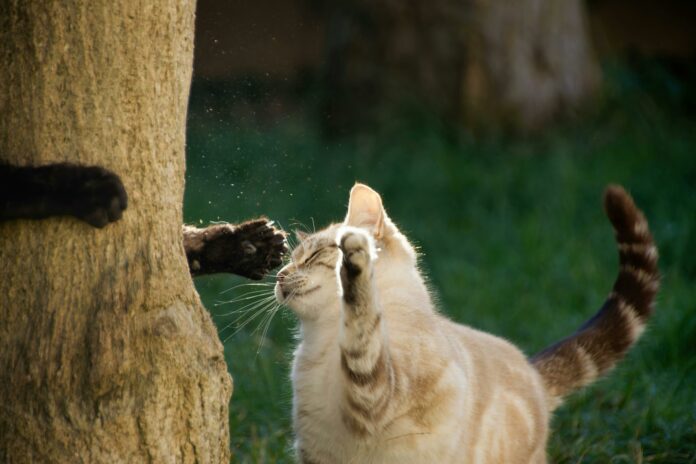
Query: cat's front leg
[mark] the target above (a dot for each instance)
(365, 361)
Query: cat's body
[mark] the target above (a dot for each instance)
(380, 377)
(445, 405)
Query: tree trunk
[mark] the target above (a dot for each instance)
(528, 62)
(486, 63)
(106, 353)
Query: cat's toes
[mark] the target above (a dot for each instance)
(97, 218)
(264, 246)
(355, 246)
(104, 197)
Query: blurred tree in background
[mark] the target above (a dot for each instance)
(478, 65)
(515, 65)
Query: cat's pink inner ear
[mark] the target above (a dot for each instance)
(365, 210)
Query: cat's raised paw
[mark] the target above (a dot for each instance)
(355, 245)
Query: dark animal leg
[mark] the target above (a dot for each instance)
(90, 193)
(96, 196)
(250, 249)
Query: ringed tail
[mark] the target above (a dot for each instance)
(604, 340)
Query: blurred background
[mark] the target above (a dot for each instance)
(491, 129)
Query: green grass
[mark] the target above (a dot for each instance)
(513, 240)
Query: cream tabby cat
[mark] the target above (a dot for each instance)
(381, 377)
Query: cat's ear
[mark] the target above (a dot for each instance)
(365, 210)
(300, 235)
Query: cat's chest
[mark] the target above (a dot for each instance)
(316, 382)
(316, 399)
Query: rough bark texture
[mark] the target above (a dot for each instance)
(106, 353)
(484, 62)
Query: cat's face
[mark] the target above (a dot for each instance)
(310, 283)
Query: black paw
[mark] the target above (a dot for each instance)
(250, 249)
(263, 245)
(98, 196)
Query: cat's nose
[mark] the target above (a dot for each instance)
(282, 274)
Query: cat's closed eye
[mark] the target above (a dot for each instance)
(312, 257)
(316, 254)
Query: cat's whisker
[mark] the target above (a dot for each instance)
(269, 318)
(248, 284)
(246, 296)
(246, 322)
(263, 325)
(304, 227)
(261, 303)
(250, 306)
(275, 309)
(266, 323)
(243, 312)
(239, 326)
(272, 313)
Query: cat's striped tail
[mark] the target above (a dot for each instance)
(603, 340)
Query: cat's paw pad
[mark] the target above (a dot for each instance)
(264, 246)
(101, 198)
(357, 252)
(250, 249)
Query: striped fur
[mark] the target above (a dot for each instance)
(380, 377)
(603, 340)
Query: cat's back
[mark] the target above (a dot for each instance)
(467, 381)
(507, 395)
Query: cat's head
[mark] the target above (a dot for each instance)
(310, 284)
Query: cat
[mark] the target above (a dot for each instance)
(97, 196)
(379, 376)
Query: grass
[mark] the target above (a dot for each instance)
(513, 240)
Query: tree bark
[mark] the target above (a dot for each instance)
(106, 353)
(484, 63)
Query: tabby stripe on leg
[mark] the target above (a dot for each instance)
(362, 328)
(370, 408)
(368, 393)
(374, 376)
(354, 426)
(363, 413)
